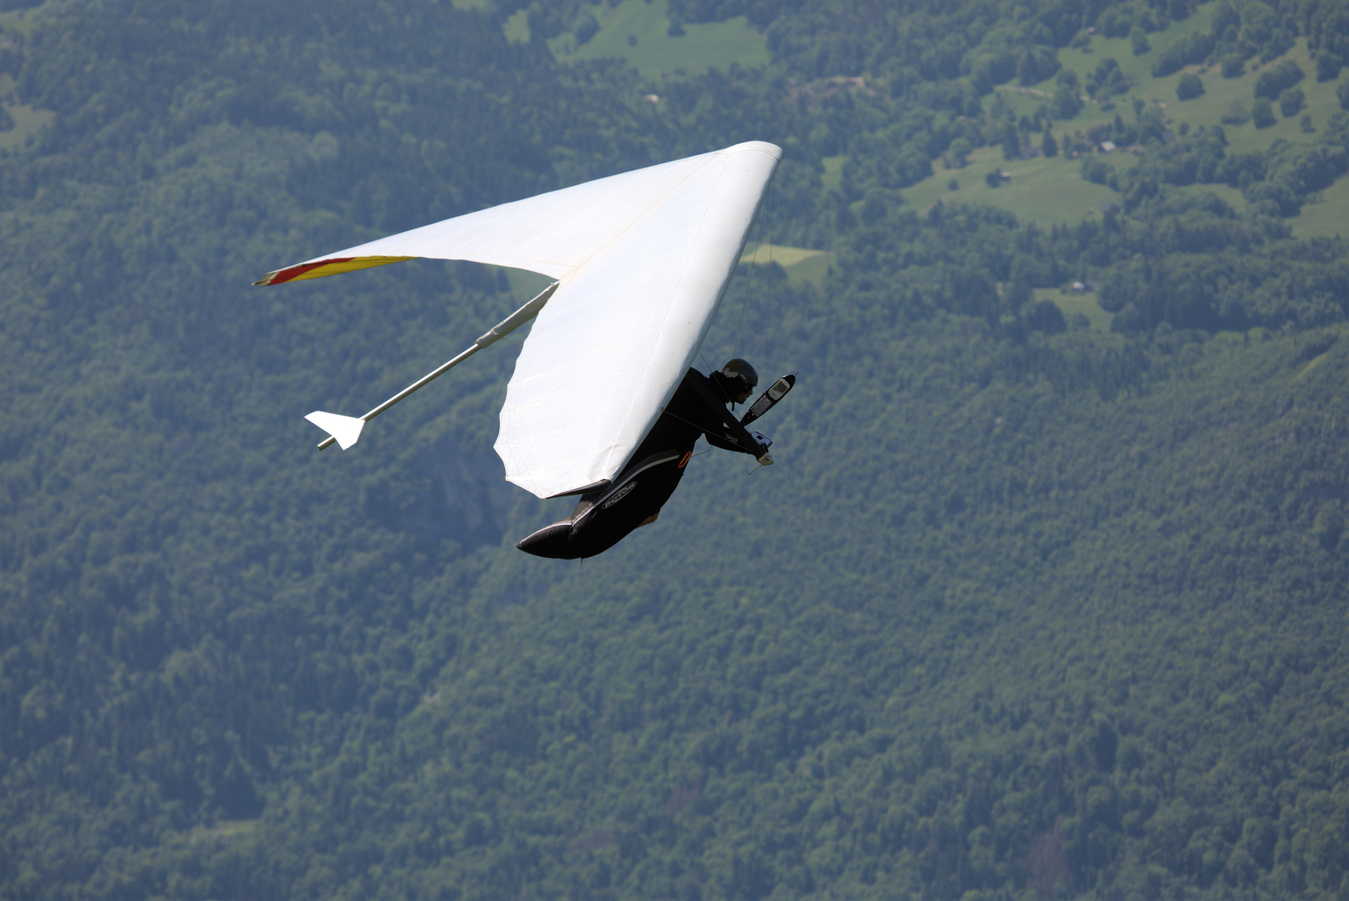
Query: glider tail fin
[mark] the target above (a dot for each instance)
(345, 430)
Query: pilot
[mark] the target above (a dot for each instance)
(634, 497)
(693, 411)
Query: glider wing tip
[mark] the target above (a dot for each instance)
(772, 150)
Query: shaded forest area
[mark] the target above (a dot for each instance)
(1025, 610)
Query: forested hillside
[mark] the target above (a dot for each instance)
(1044, 598)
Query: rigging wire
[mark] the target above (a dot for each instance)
(754, 265)
(749, 282)
(716, 383)
(768, 288)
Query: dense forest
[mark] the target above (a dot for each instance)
(1035, 603)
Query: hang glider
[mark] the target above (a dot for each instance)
(641, 261)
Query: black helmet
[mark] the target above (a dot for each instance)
(738, 370)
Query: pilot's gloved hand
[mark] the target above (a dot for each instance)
(764, 444)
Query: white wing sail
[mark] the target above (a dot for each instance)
(642, 259)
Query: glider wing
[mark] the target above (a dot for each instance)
(642, 259)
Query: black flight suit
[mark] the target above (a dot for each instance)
(653, 472)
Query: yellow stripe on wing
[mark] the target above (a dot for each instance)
(322, 268)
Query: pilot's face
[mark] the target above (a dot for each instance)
(744, 394)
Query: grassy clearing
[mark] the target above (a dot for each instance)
(812, 269)
(1327, 217)
(638, 32)
(516, 27)
(784, 256)
(225, 830)
(1230, 195)
(28, 122)
(833, 172)
(1044, 190)
(1139, 66)
(1207, 109)
(800, 263)
(1220, 93)
(1049, 191)
(1071, 302)
(24, 21)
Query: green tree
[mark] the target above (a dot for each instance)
(586, 28)
(1189, 87)
(1328, 67)
(1236, 114)
(1067, 101)
(1262, 113)
(958, 152)
(1275, 80)
(1096, 170)
(1291, 102)
(1048, 145)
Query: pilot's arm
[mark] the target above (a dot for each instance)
(727, 432)
(720, 437)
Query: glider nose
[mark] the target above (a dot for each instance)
(550, 541)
